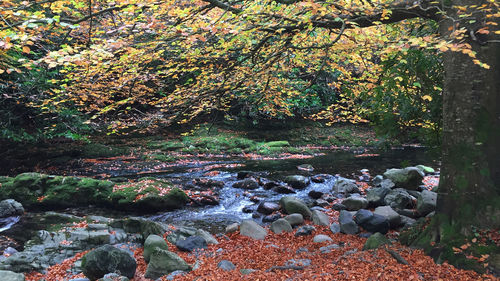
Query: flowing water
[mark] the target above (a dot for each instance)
(233, 200)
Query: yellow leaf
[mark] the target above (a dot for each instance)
(427, 97)
(26, 49)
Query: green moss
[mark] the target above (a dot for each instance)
(96, 150)
(277, 144)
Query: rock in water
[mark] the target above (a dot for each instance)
(268, 208)
(375, 241)
(108, 259)
(10, 207)
(246, 184)
(343, 185)
(163, 262)
(408, 178)
(151, 243)
(253, 230)
(296, 181)
(294, 205)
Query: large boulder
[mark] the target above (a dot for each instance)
(362, 216)
(320, 218)
(426, 202)
(151, 243)
(163, 262)
(293, 205)
(343, 185)
(408, 178)
(297, 181)
(392, 216)
(398, 199)
(10, 207)
(375, 241)
(6, 275)
(376, 223)
(375, 196)
(248, 183)
(355, 203)
(108, 259)
(280, 225)
(253, 230)
(347, 224)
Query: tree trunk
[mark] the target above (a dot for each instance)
(469, 190)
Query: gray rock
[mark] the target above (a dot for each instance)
(152, 242)
(271, 218)
(407, 221)
(191, 243)
(335, 228)
(267, 208)
(245, 271)
(10, 207)
(293, 205)
(207, 236)
(97, 226)
(283, 189)
(426, 202)
(355, 203)
(248, 183)
(6, 275)
(305, 230)
(163, 262)
(376, 223)
(320, 218)
(408, 178)
(281, 225)
(108, 259)
(398, 199)
(343, 185)
(113, 277)
(375, 241)
(297, 181)
(362, 215)
(321, 238)
(253, 230)
(295, 219)
(347, 224)
(392, 216)
(329, 248)
(232, 228)
(377, 180)
(386, 183)
(226, 265)
(375, 196)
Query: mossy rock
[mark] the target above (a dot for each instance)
(25, 188)
(277, 144)
(74, 192)
(375, 241)
(96, 150)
